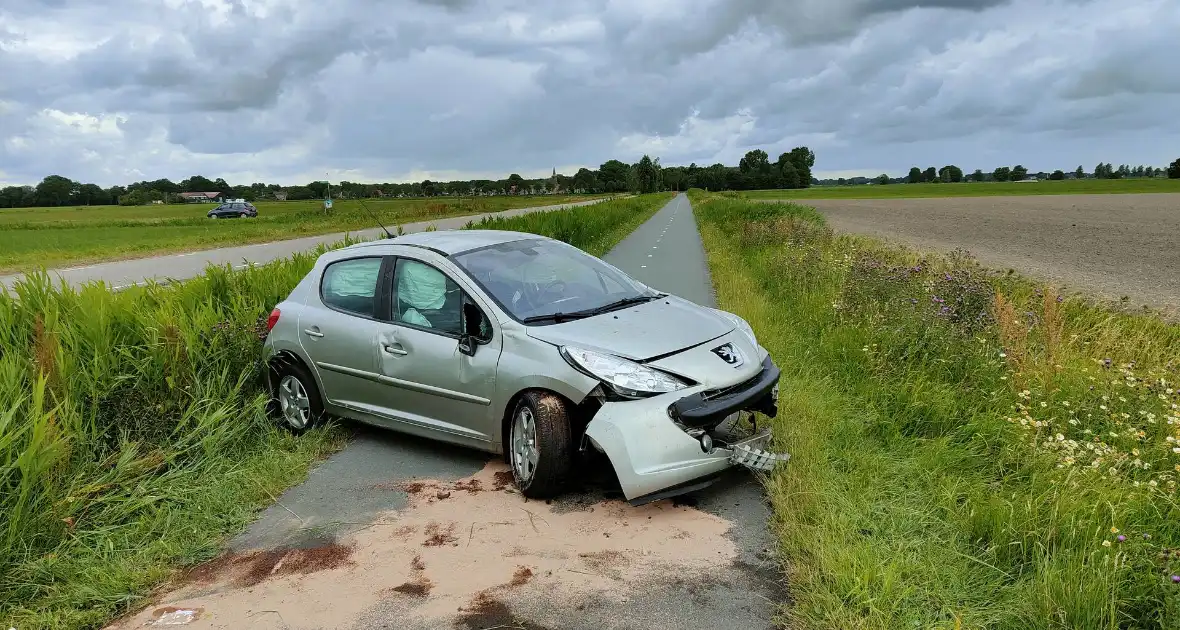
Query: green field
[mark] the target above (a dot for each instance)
(133, 433)
(969, 450)
(57, 237)
(976, 189)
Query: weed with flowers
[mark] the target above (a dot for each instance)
(970, 449)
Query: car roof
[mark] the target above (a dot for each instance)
(451, 242)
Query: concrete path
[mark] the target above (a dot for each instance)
(123, 273)
(399, 532)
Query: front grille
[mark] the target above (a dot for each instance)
(714, 394)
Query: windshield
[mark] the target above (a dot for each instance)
(538, 278)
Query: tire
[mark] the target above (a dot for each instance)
(291, 380)
(546, 474)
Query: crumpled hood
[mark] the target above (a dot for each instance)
(639, 332)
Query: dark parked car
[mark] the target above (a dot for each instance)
(234, 210)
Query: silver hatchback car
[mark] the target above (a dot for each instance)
(522, 345)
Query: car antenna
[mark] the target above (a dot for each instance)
(375, 219)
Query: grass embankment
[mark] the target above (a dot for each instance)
(55, 237)
(976, 189)
(133, 437)
(969, 450)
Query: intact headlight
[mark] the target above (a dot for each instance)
(626, 378)
(741, 325)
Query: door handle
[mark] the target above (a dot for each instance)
(312, 333)
(392, 349)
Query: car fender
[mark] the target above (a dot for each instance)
(526, 363)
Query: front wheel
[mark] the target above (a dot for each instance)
(539, 445)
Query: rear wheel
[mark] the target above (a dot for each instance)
(298, 406)
(539, 445)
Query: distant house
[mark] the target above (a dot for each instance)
(280, 195)
(201, 197)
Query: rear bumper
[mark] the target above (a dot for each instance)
(654, 458)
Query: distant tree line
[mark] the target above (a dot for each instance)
(953, 174)
(755, 171)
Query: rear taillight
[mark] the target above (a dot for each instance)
(272, 320)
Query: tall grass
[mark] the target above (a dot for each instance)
(970, 450)
(133, 433)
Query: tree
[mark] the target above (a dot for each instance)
(756, 169)
(614, 174)
(54, 190)
(930, 175)
(647, 174)
(1002, 174)
(883, 179)
(977, 175)
(1057, 175)
(91, 194)
(1174, 170)
(1018, 173)
(586, 180)
(950, 174)
(1149, 171)
(915, 176)
(1080, 173)
(788, 175)
(134, 198)
(802, 159)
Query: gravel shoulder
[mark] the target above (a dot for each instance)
(1108, 246)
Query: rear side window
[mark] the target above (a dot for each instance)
(351, 286)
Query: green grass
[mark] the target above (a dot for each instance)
(133, 434)
(976, 189)
(928, 486)
(55, 237)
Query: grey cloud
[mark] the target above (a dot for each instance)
(384, 88)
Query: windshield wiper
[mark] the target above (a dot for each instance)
(556, 317)
(625, 302)
(590, 312)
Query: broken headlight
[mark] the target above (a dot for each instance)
(627, 378)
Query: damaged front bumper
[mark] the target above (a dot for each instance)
(677, 442)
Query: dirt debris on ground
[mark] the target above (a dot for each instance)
(437, 535)
(498, 544)
(251, 568)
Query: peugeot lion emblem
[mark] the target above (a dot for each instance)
(729, 354)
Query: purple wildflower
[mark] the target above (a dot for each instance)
(1122, 538)
(1176, 579)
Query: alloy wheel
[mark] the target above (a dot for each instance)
(524, 445)
(294, 403)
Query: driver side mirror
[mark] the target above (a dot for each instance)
(472, 329)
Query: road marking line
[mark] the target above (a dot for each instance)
(649, 255)
(643, 266)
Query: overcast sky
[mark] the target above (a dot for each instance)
(288, 91)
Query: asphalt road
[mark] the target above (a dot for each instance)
(490, 558)
(1109, 246)
(123, 273)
